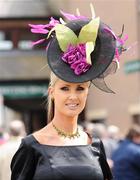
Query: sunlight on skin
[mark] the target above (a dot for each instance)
(69, 100)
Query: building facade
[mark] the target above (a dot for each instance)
(23, 65)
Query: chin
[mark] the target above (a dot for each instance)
(72, 113)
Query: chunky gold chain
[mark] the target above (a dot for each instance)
(66, 135)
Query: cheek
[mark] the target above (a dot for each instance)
(59, 98)
(59, 103)
(84, 98)
(85, 95)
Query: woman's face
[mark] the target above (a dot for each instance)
(69, 98)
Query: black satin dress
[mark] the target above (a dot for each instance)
(35, 161)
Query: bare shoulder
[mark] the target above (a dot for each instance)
(44, 135)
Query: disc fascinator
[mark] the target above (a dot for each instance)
(83, 49)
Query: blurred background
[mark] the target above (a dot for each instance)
(24, 75)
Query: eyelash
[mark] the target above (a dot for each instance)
(64, 88)
(67, 89)
(80, 89)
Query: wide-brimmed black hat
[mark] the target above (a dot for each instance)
(101, 57)
(89, 54)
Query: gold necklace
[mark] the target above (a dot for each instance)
(66, 135)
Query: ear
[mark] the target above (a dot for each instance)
(51, 91)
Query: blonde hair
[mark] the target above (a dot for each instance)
(53, 79)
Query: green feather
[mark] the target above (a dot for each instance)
(89, 31)
(65, 36)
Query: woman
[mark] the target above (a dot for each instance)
(80, 52)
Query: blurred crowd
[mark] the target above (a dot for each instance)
(123, 153)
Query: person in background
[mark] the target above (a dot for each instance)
(112, 140)
(127, 156)
(114, 132)
(8, 149)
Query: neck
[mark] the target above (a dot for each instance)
(65, 123)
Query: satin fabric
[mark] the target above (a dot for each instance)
(35, 161)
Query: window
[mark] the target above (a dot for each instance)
(5, 41)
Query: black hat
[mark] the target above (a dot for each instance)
(104, 48)
(101, 57)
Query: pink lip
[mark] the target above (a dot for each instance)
(72, 104)
(72, 107)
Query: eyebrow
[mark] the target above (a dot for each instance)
(77, 85)
(65, 85)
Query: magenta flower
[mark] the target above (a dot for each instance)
(80, 66)
(38, 42)
(122, 40)
(119, 43)
(40, 28)
(119, 46)
(39, 31)
(74, 53)
(75, 56)
(53, 23)
(43, 29)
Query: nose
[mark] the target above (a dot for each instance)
(73, 95)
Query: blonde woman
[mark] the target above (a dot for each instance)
(79, 53)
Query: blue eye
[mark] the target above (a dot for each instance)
(64, 88)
